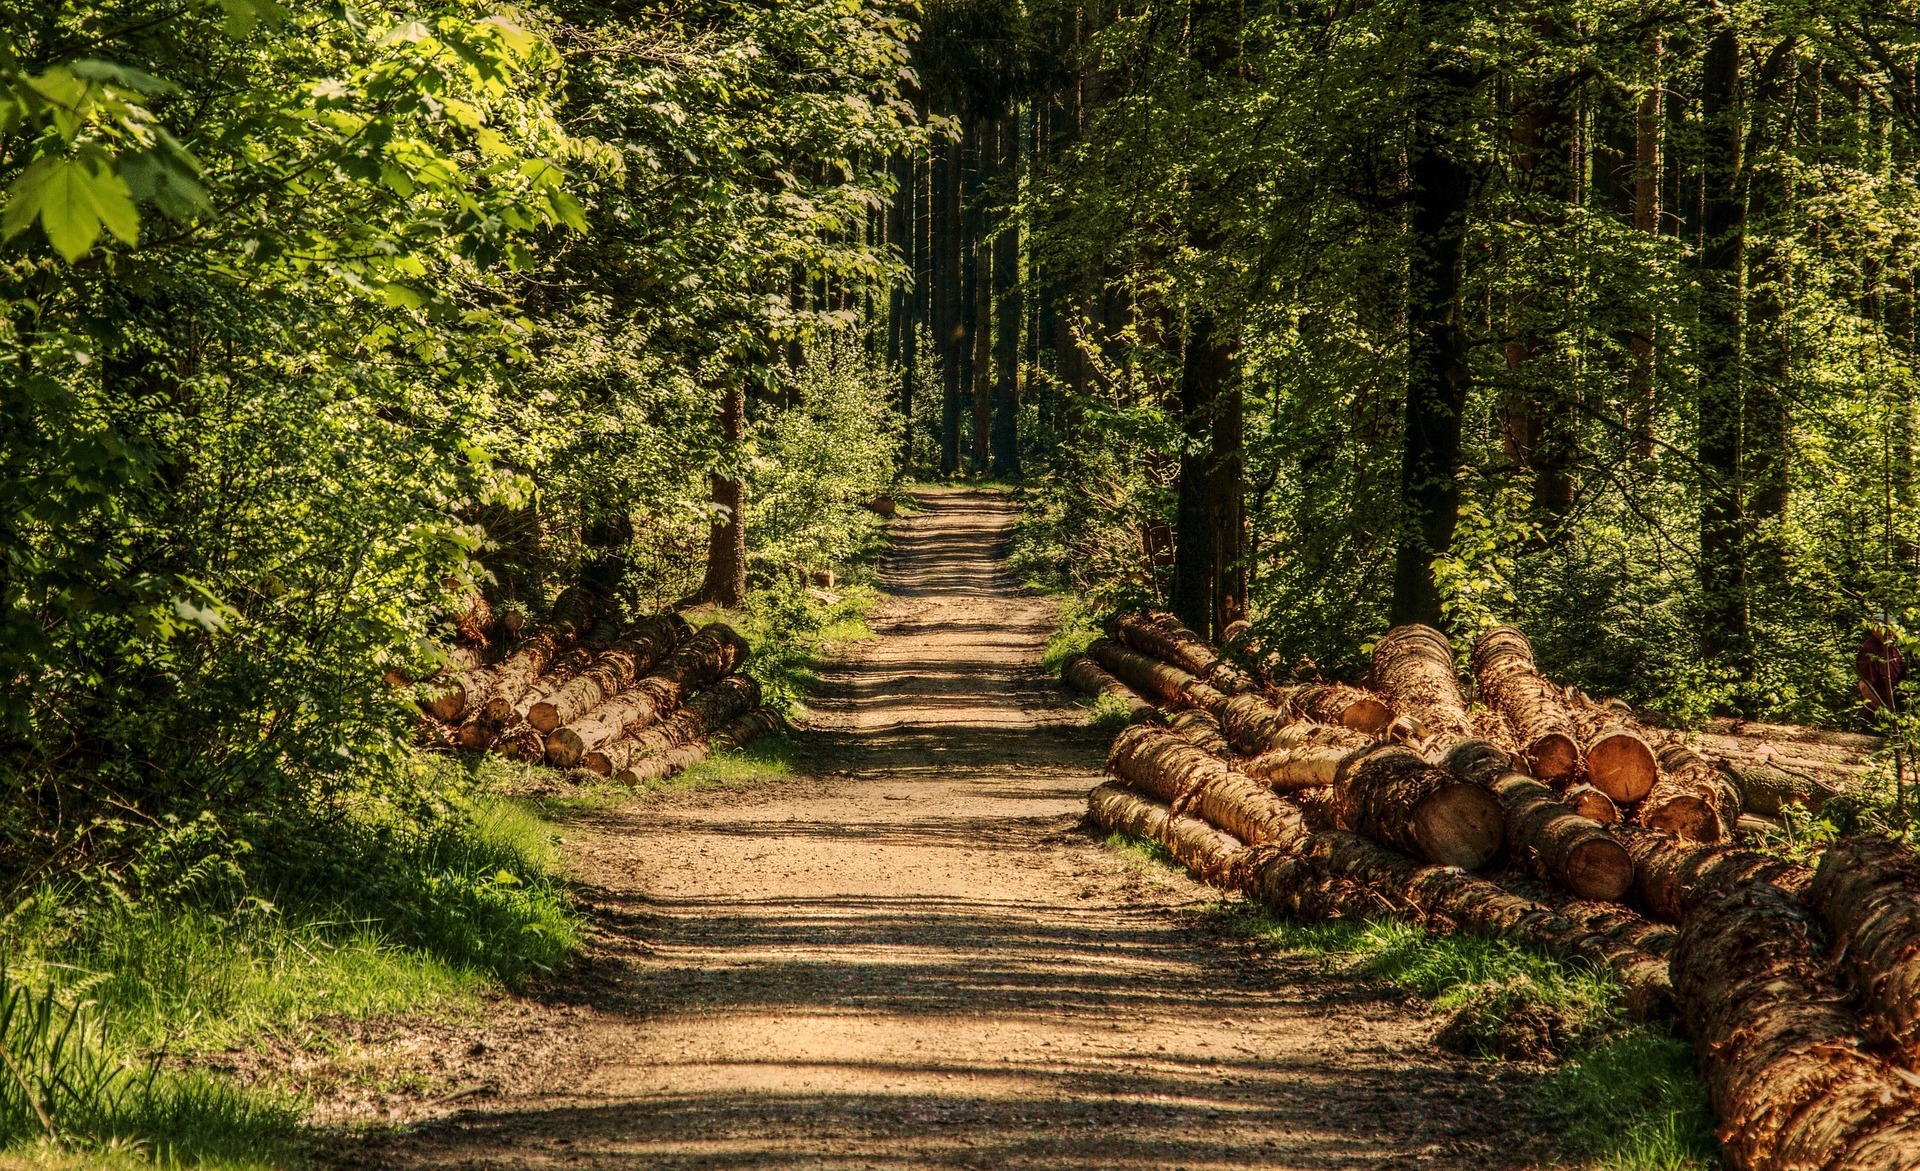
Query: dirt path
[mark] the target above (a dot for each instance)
(916, 958)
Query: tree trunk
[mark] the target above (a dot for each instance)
(709, 655)
(1778, 1050)
(1543, 834)
(1394, 796)
(1649, 140)
(1144, 673)
(1503, 666)
(1088, 678)
(1693, 800)
(1007, 317)
(1867, 892)
(1725, 636)
(1670, 876)
(1438, 375)
(1339, 704)
(1200, 729)
(726, 582)
(1413, 671)
(472, 691)
(612, 672)
(1201, 546)
(1620, 762)
(1166, 638)
(949, 320)
(1301, 756)
(704, 714)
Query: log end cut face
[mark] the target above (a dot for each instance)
(1367, 714)
(1684, 816)
(1554, 757)
(1459, 825)
(1621, 765)
(1599, 868)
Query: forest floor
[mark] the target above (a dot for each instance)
(911, 954)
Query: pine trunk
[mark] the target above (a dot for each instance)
(726, 580)
(1545, 835)
(470, 692)
(1337, 703)
(1867, 892)
(1143, 673)
(1413, 671)
(1511, 684)
(702, 716)
(1620, 762)
(1693, 800)
(1092, 680)
(709, 655)
(612, 671)
(1394, 796)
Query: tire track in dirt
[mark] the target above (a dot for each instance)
(914, 957)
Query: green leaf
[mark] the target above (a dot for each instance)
(74, 202)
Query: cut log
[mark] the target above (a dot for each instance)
(1504, 668)
(471, 691)
(702, 716)
(1164, 637)
(1856, 744)
(1208, 853)
(1200, 729)
(574, 611)
(1543, 834)
(477, 734)
(1867, 892)
(1693, 800)
(1338, 704)
(702, 659)
(757, 724)
(1669, 873)
(1413, 671)
(1142, 672)
(1089, 678)
(1391, 794)
(1161, 765)
(1766, 789)
(1780, 1055)
(611, 672)
(1620, 761)
(1591, 804)
(1337, 874)
(1305, 756)
(522, 743)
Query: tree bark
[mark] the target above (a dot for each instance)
(949, 320)
(1007, 315)
(613, 671)
(1867, 892)
(1166, 638)
(472, 691)
(1090, 679)
(1143, 673)
(726, 582)
(1649, 141)
(1620, 762)
(1339, 704)
(1438, 376)
(709, 655)
(1503, 666)
(1413, 671)
(1391, 794)
(704, 714)
(1543, 834)
(1693, 800)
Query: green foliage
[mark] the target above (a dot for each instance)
(1079, 627)
(1142, 851)
(791, 631)
(1633, 1102)
(1108, 714)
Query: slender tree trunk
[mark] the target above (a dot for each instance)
(1437, 374)
(949, 323)
(1766, 412)
(1723, 572)
(1649, 141)
(1007, 315)
(726, 583)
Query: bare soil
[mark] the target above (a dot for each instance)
(915, 956)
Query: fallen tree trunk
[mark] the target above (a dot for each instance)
(611, 672)
(1161, 764)
(574, 611)
(1413, 670)
(1780, 1056)
(1335, 874)
(1620, 761)
(1200, 729)
(523, 743)
(1207, 853)
(1769, 784)
(1867, 892)
(1504, 668)
(703, 715)
(1337, 704)
(1692, 800)
(1305, 756)
(1391, 794)
(1144, 673)
(1164, 637)
(764, 721)
(1089, 678)
(471, 691)
(473, 623)
(1543, 834)
(757, 724)
(1667, 871)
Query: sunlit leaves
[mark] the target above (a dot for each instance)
(73, 199)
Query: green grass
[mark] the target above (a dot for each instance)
(792, 634)
(1079, 627)
(270, 940)
(766, 759)
(1109, 714)
(1632, 1101)
(1140, 851)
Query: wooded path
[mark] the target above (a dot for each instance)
(915, 957)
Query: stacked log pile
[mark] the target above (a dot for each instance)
(1569, 823)
(638, 702)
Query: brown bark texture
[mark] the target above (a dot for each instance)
(1544, 835)
(1413, 671)
(471, 691)
(1337, 703)
(1142, 672)
(1781, 1061)
(1670, 875)
(474, 623)
(1166, 638)
(1200, 729)
(1206, 852)
(1867, 892)
(574, 611)
(1089, 678)
(1692, 800)
(702, 716)
(1591, 804)
(1304, 756)
(611, 672)
(1510, 683)
(1391, 794)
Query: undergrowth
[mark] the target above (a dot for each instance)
(792, 632)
